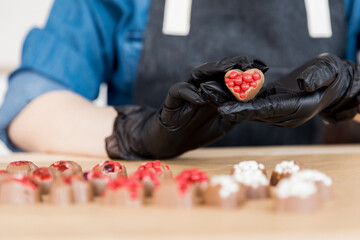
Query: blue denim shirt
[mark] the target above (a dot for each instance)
(86, 43)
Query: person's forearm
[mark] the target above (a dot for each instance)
(63, 122)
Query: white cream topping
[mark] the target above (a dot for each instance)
(287, 167)
(227, 183)
(252, 178)
(313, 175)
(248, 166)
(292, 187)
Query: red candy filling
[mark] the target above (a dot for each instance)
(42, 174)
(61, 165)
(146, 174)
(240, 83)
(154, 166)
(131, 184)
(109, 166)
(187, 177)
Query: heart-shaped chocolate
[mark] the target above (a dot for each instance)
(244, 85)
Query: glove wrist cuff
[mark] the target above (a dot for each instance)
(125, 141)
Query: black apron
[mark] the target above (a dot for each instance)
(275, 31)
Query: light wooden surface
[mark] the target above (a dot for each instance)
(337, 219)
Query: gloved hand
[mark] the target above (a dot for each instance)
(186, 121)
(325, 85)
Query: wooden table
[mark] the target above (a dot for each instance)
(338, 219)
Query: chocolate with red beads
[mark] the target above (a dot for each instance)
(43, 177)
(98, 181)
(19, 189)
(151, 174)
(223, 191)
(196, 177)
(67, 190)
(175, 193)
(111, 168)
(124, 192)
(21, 167)
(244, 85)
(66, 168)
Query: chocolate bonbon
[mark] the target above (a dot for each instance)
(223, 191)
(283, 170)
(19, 189)
(21, 167)
(66, 168)
(124, 192)
(111, 168)
(199, 179)
(98, 181)
(244, 85)
(151, 174)
(255, 182)
(322, 181)
(175, 193)
(67, 190)
(43, 177)
(295, 195)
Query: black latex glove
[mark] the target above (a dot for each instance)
(325, 85)
(186, 121)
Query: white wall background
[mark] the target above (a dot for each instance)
(17, 17)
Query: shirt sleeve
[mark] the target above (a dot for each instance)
(24, 86)
(353, 33)
(75, 48)
(74, 51)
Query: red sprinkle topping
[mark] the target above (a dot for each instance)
(61, 165)
(151, 171)
(109, 166)
(147, 174)
(20, 163)
(42, 174)
(156, 166)
(3, 172)
(131, 184)
(187, 177)
(23, 180)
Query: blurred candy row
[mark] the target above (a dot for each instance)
(64, 183)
